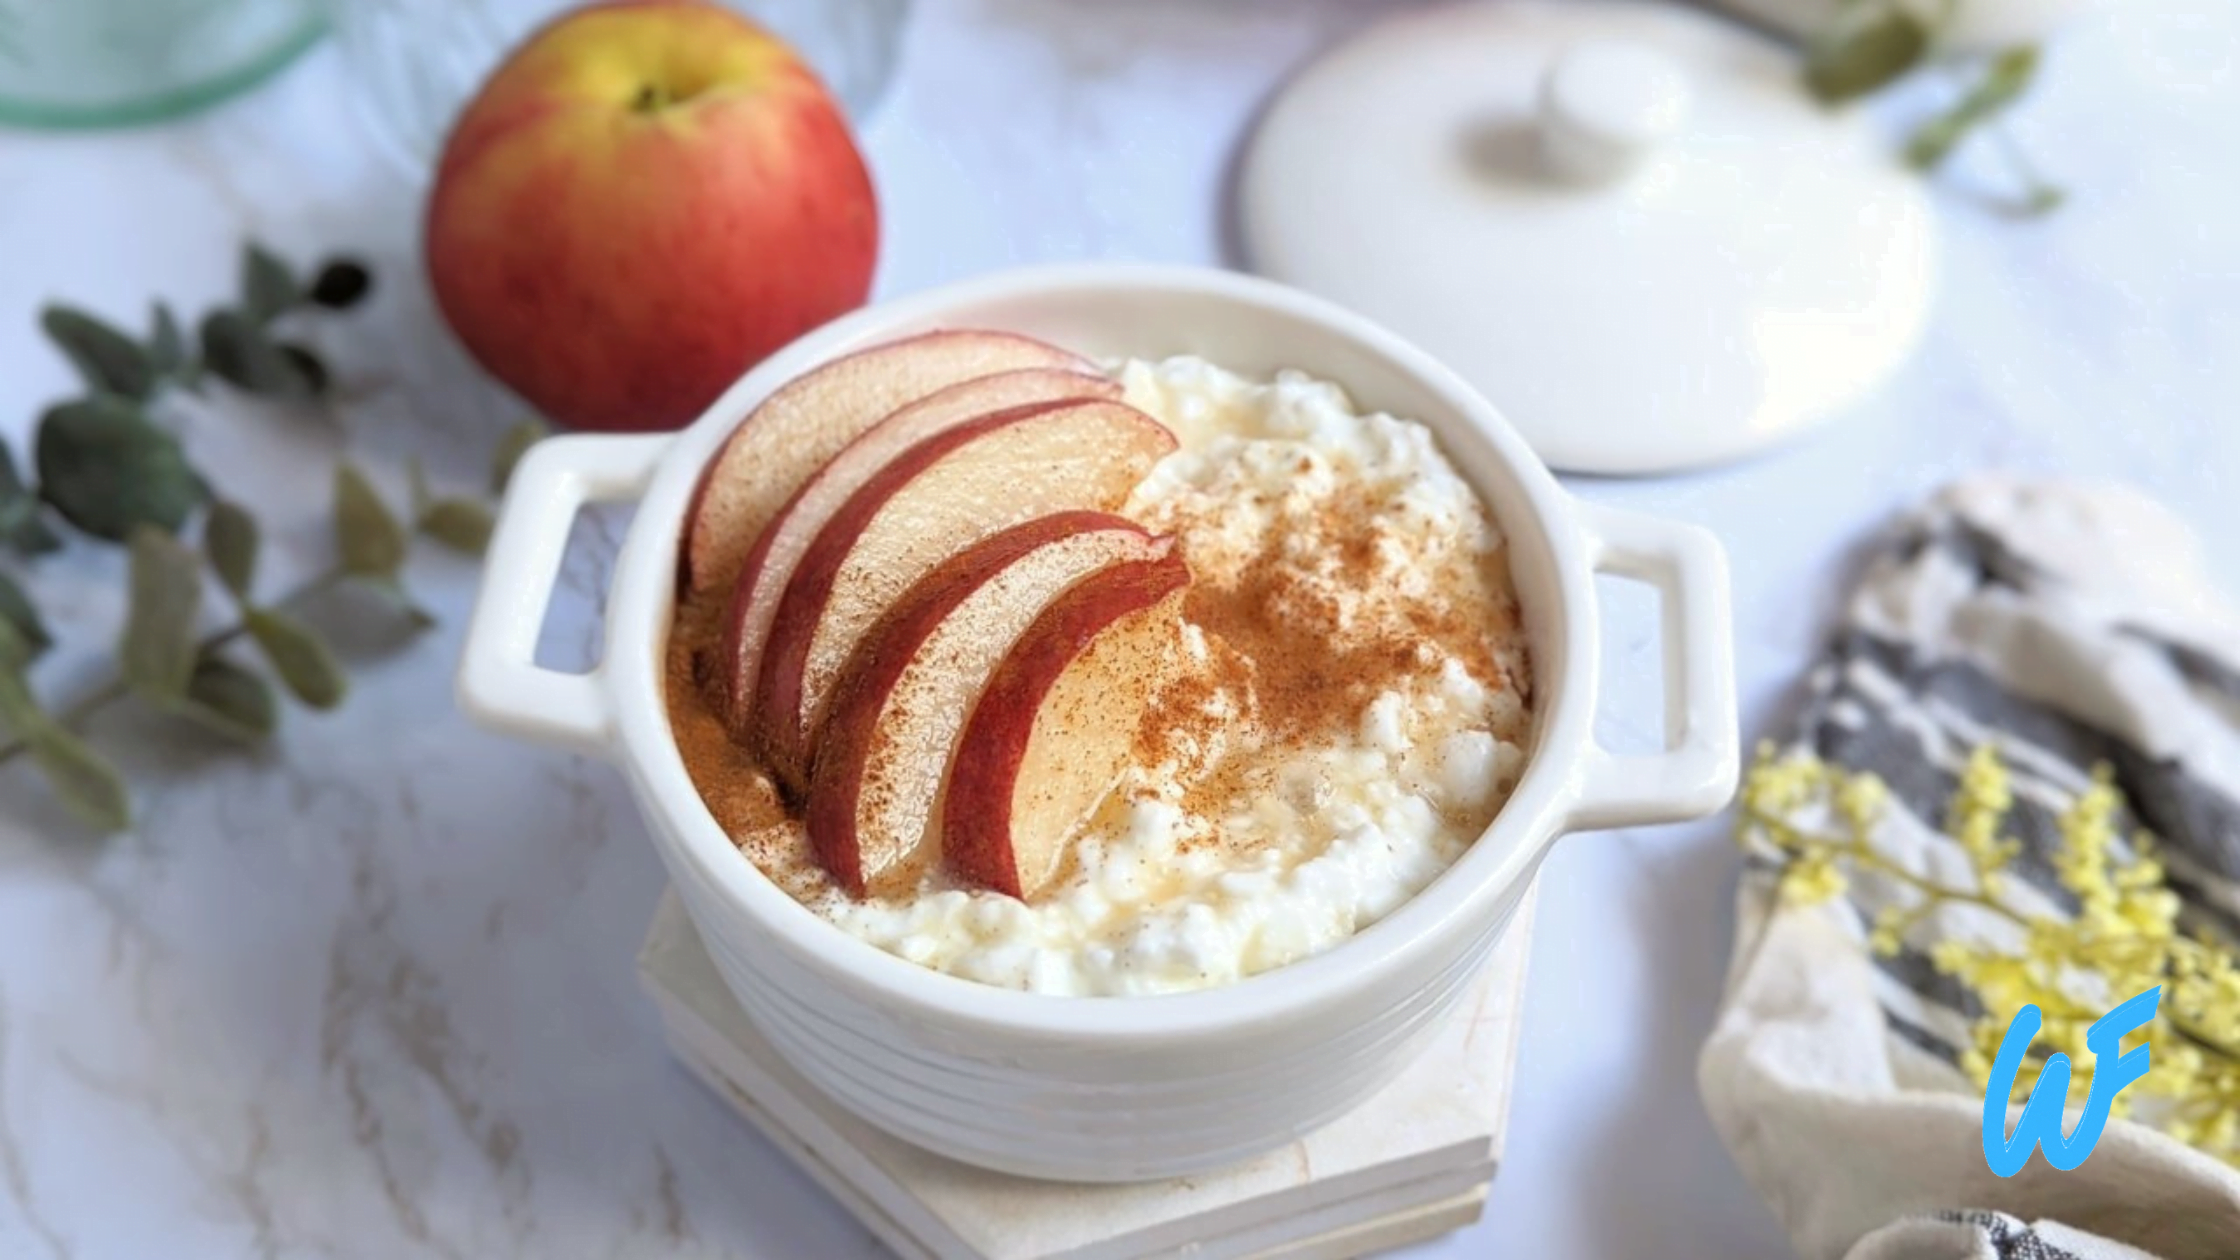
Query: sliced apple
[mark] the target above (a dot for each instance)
(778, 551)
(783, 442)
(928, 503)
(1054, 726)
(903, 696)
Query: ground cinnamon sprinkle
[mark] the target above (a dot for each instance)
(738, 791)
(1310, 628)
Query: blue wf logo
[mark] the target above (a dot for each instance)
(2041, 1116)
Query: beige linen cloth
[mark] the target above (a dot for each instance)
(2071, 624)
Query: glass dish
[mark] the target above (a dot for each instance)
(101, 63)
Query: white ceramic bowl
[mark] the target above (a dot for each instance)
(1107, 1089)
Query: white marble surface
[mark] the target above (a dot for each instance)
(370, 994)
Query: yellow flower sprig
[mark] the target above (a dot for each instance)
(1820, 822)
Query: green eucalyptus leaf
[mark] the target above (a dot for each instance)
(20, 523)
(20, 713)
(309, 367)
(300, 657)
(511, 447)
(110, 362)
(16, 653)
(84, 781)
(463, 525)
(372, 541)
(157, 654)
(2040, 199)
(2006, 77)
(392, 591)
(108, 470)
(11, 481)
(239, 351)
(23, 636)
(1866, 52)
(229, 700)
(342, 283)
(31, 537)
(167, 344)
(416, 480)
(268, 285)
(230, 538)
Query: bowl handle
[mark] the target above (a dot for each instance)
(500, 684)
(1695, 775)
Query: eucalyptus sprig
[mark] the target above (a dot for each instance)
(1875, 43)
(102, 463)
(107, 469)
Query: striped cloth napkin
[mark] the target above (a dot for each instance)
(2070, 625)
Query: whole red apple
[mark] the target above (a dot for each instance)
(646, 199)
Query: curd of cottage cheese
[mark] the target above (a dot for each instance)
(1351, 712)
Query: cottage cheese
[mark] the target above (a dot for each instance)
(1351, 714)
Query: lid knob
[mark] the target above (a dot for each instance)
(1606, 105)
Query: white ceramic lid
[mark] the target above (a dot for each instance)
(1626, 224)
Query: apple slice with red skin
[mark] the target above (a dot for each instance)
(1056, 723)
(928, 503)
(903, 697)
(785, 440)
(770, 565)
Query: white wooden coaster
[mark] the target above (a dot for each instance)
(1414, 1162)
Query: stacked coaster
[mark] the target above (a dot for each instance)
(1414, 1162)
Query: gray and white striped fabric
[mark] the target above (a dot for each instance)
(1986, 1236)
(2071, 625)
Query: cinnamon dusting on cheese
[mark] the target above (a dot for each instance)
(1308, 618)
